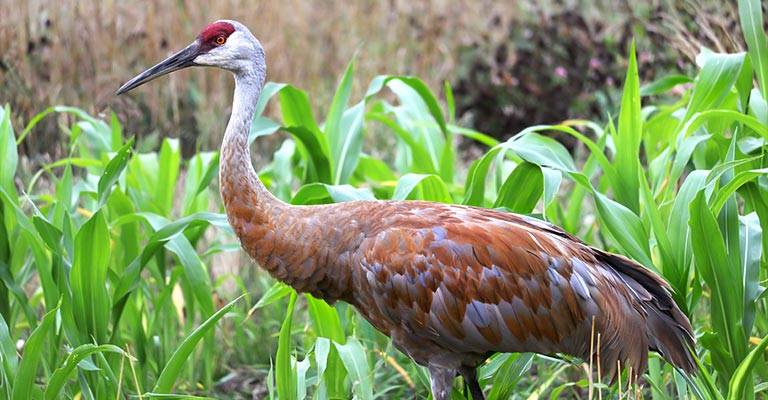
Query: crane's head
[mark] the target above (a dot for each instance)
(225, 44)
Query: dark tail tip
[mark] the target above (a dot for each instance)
(669, 330)
(670, 334)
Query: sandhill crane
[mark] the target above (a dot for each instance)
(449, 284)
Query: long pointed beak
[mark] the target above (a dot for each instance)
(183, 59)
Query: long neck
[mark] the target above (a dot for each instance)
(276, 235)
(246, 200)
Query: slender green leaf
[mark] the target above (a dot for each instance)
(61, 375)
(713, 264)
(742, 377)
(509, 373)
(9, 156)
(627, 189)
(353, 356)
(622, 224)
(543, 150)
(317, 193)
(344, 143)
(718, 75)
(275, 293)
(522, 189)
(89, 272)
(663, 84)
(113, 170)
(33, 351)
(9, 357)
(172, 368)
(285, 375)
(431, 188)
(325, 319)
(315, 151)
(751, 251)
(296, 110)
(751, 16)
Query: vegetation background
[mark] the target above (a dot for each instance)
(74, 183)
(78, 52)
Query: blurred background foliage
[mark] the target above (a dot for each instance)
(497, 55)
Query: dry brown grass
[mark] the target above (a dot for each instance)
(77, 53)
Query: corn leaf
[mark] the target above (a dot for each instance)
(522, 189)
(422, 187)
(172, 369)
(33, 351)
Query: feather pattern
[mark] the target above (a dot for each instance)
(452, 284)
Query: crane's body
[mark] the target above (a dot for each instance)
(449, 284)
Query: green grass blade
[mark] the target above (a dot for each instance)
(113, 170)
(630, 130)
(739, 180)
(319, 193)
(199, 168)
(325, 319)
(522, 189)
(8, 357)
(375, 170)
(663, 84)
(509, 372)
(262, 126)
(353, 356)
(61, 375)
(322, 350)
(33, 351)
(477, 175)
(420, 152)
(713, 264)
(431, 188)
(351, 146)
(543, 150)
(168, 173)
(314, 148)
(275, 293)
(9, 156)
(716, 78)
(474, 135)
(296, 110)
(172, 368)
(621, 223)
(284, 373)
(751, 16)
(130, 277)
(10, 284)
(89, 273)
(194, 271)
(269, 90)
(341, 140)
(428, 98)
(751, 250)
(741, 381)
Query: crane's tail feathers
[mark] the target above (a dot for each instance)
(669, 334)
(668, 329)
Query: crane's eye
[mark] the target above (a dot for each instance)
(220, 40)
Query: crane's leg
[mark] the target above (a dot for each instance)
(470, 377)
(442, 381)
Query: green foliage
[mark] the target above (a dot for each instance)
(107, 278)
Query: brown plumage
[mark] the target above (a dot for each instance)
(449, 284)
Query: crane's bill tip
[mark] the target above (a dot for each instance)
(182, 59)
